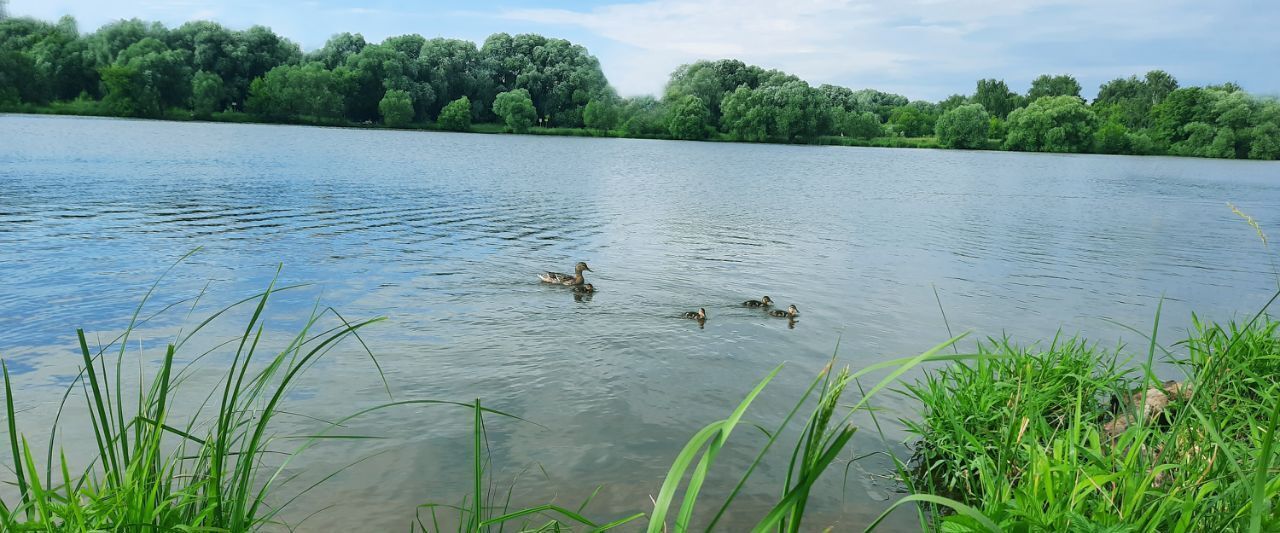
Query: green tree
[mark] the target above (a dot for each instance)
(643, 115)
(964, 127)
(297, 91)
(688, 118)
(712, 81)
(1052, 124)
(338, 48)
(18, 79)
(456, 115)
(207, 93)
(912, 121)
(455, 68)
(561, 77)
(864, 125)
(1129, 101)
(744, 115)
(1053, 85)
(600, 114)
(1266, 142)
(952, 102)
(995, 97)
(1111, 138)
(396, 108)
(515, 108)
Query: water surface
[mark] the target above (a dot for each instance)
(444, 233)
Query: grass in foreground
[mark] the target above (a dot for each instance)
(1031, 439)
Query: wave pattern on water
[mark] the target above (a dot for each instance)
(444, 233)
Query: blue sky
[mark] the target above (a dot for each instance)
(924, 49)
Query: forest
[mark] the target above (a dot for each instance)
(530, 83)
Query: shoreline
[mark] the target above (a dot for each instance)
(487, 128)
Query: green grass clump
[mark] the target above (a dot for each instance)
(1024, 438)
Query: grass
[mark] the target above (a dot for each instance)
(216, 472)
(1023, 437)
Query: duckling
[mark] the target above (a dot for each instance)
(764, 301)
(561, 278)
(584, 288)
(699, 315)
(791, 312)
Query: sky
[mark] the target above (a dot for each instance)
(923, 49)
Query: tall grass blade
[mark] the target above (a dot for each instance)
(13, 440)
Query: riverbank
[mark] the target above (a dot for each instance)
(1012, 437)
(90, 108)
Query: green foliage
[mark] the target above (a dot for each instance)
(515, 108)
(997, 129)
(1052, 124)
(1059, 85)
(456, 116)
(952, 102)
(166, 465)
(791, 112)
(744, 115)
(864, 125)
(292, 92)
(396, 108)
(712, 81)
(204, 69)
(964, 127)
(687, 118)
(1111, 138)
(455, 68)
(127, 92)
(996, 98)
(561, 77)
(601, 114)
(207, 94)
(1060, 438)
(643, 116)
(18, 79)
(862, 101)
(913, 120)
(1266, 141)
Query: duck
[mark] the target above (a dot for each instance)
(791, 312)
(560, 278)
(699, 315)
(764, 301)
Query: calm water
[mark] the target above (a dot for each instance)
(444, 233)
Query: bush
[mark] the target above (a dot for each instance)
(964, 127)
(396, 108)
(515, 108)
(456, 115)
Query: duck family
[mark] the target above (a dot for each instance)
(578, 283)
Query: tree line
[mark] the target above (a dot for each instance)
(202, 69)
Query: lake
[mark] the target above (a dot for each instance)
(445, 233)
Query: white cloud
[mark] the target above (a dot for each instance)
(855, 42)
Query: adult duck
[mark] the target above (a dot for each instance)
(791, 312)
(560, 278)
(764, 301)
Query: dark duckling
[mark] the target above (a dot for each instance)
(699, 315)
(791, 312)
(584, 288)
(764, 301)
